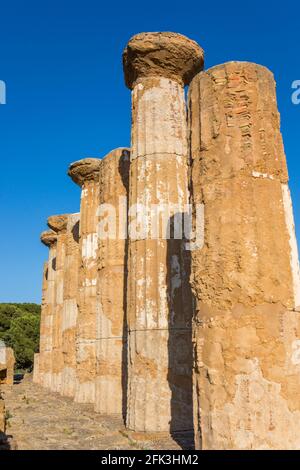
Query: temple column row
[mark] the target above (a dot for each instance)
(136, 323)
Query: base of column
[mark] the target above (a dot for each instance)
(85, 392)
(36, 369)
(247, 364)
(68, 388)
(56, 382)
(109, 392)
(108, 396)
(160, 381)
(46, 380)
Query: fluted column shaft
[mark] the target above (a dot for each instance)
(111, 349)
(69, 320)
(49, 238)
(246, 276)
(86, 174)
(59, 225)
(159, 298)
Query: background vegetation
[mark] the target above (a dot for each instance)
(20, 329)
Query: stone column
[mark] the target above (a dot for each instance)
(246, 275)
(58, 223)
(157, 66)
(86, 174)
(111, 350)
(38, 357)
(48, 238)
(7, 365)
(69, 320)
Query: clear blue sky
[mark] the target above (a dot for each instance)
(66, 100)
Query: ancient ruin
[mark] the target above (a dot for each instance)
(111, 346)
(85, 173)
(70, 311)
(144, 324)
(43, 360)
(159, 299)
(246, 277)
(7, 364)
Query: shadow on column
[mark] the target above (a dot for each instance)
(124, 165)
(75, 232)
(180, 348)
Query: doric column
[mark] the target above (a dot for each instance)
(69, 320)
(246, 275)
(111, 351)
(38, 357)
(48, 238)
(58, 223)
(157, 66)
(7, 365)
(86, 174)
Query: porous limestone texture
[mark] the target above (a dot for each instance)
(86, 174)
(246, 276)
(7, 365)
(69, 317)
(58, 223)
(111, 348)
(159, 304)
(44, 375)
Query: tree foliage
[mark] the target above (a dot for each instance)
(20, 329)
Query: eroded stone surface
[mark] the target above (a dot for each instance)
(7, 364)
(246, 276)
(111, 351)
(86, 174)
(166, 54)
(159, 304)
(70, 312)
(58, 223)
(45, 358)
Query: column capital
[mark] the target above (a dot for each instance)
(48, 237)
(162, 54)
(58, 223)
(84, 170)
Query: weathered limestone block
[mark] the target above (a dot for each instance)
(58, 223)
(246, 276)
(111, 350)
(69, 320)
(156, 67)
(48, 238)
(86, 174)
(7, 365)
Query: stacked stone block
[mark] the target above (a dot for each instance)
(157, 66)
(111, 351)
(85, 173)
(246, 276)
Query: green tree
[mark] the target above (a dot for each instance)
(19, 329)
(24, 338)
